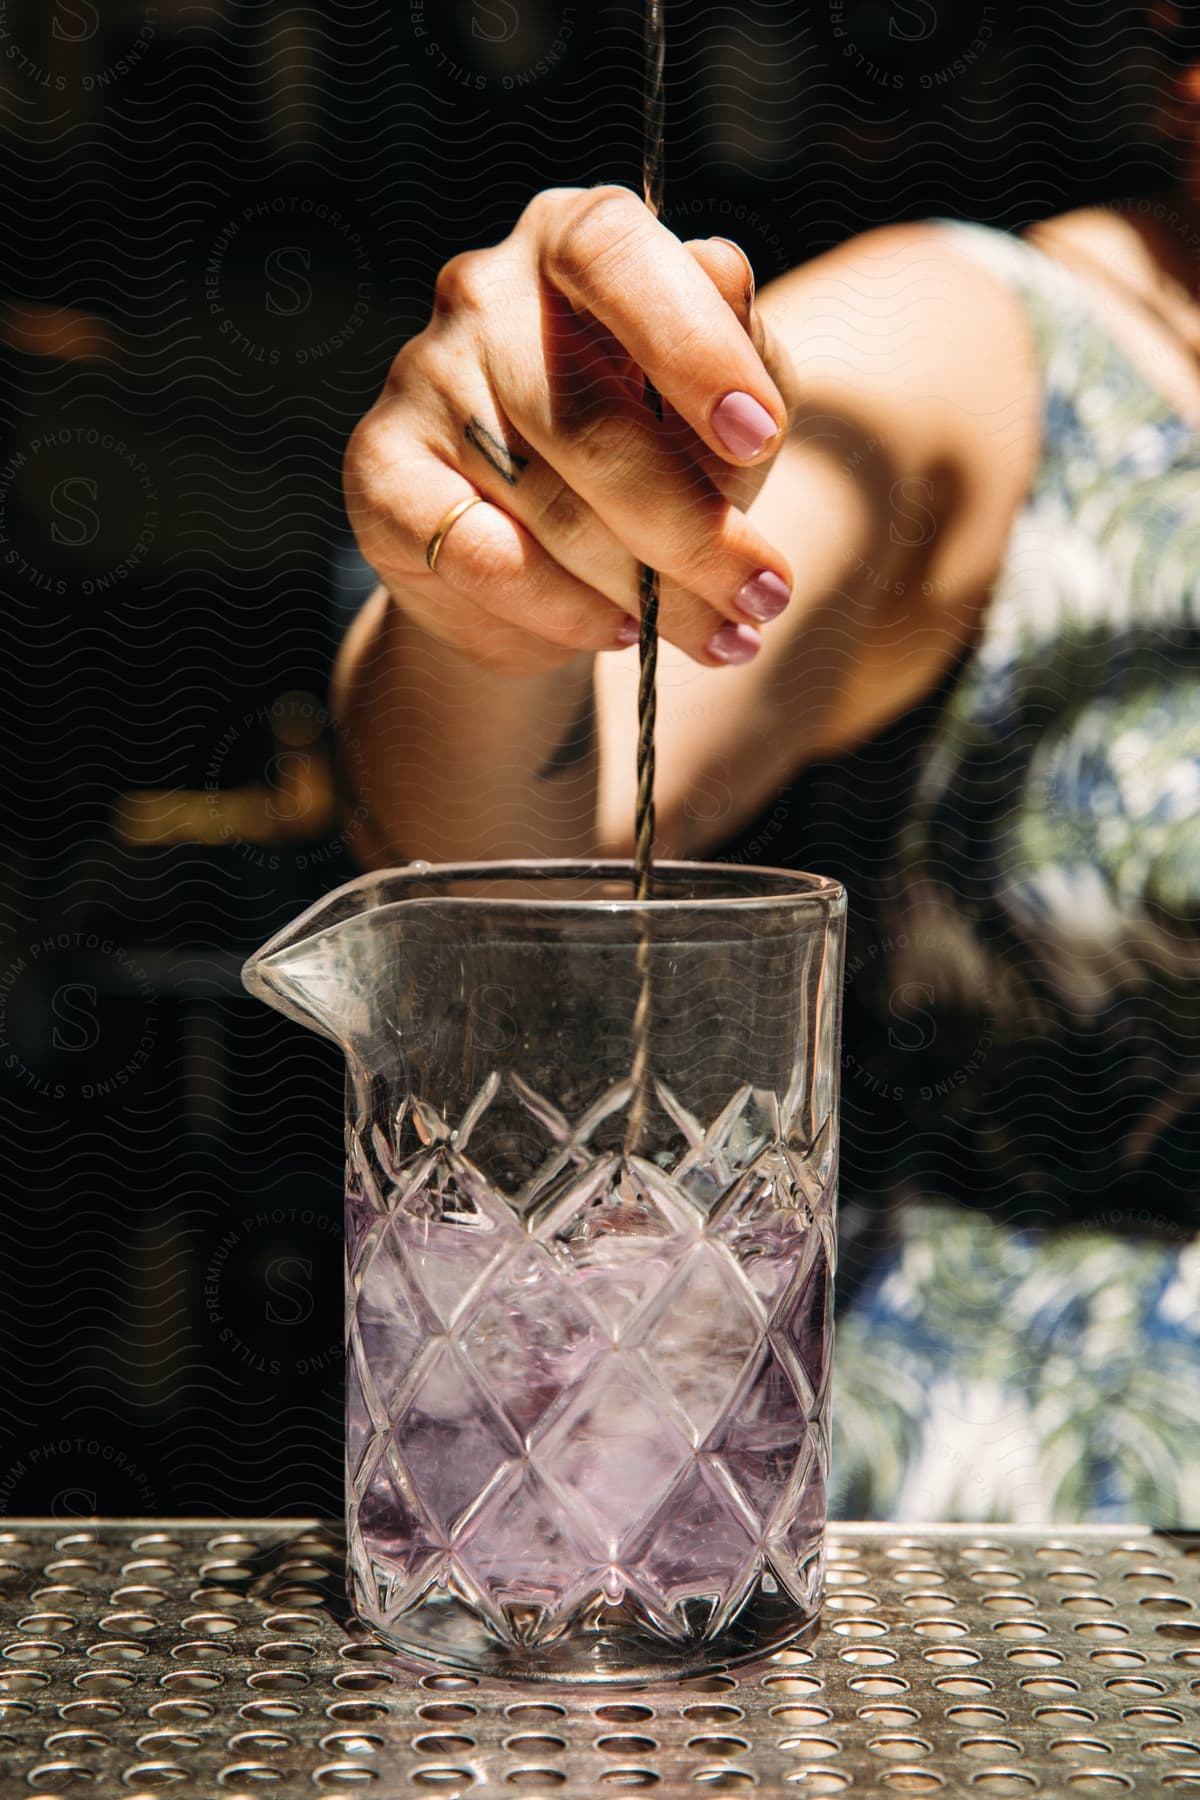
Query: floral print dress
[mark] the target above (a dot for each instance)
(1034, 1353)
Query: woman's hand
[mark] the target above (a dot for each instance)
(526, 387)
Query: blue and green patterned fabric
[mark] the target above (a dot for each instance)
(1019, 1303)
(1005, 1375)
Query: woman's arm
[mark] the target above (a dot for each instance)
(455, 761)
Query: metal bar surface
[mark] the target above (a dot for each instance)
(210, 1658)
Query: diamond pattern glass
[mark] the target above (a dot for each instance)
(588, 1332)
(610, 1411)
(698, 1556)
(616, 1447)
(618, 1232)
(530, 1338)
(760, 1436)
(452, 1442)
(702, 1330)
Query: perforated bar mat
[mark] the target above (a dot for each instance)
(214, 1660)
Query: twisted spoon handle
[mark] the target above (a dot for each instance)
(643, 854)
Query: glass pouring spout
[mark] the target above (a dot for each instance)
(335, 968)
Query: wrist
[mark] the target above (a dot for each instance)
(481, 654)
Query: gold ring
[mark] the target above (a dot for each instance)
(456, 512)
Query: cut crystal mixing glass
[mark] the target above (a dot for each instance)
(588, 1330)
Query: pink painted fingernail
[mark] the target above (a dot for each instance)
(763, 597)
(743, 426)
(628, 633)
(732, 643)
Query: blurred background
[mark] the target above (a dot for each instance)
(221, 219)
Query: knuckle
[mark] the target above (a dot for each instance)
(731, 270)
(580, 625)
(690, 562)
(697, 348)
(689, 549)
(597, 224)
(582, 630)
(610, 448)
(547, 205)
(461, 282)
(564, 517)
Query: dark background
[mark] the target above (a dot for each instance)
(221, 220)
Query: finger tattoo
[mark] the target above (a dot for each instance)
(507, 464)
